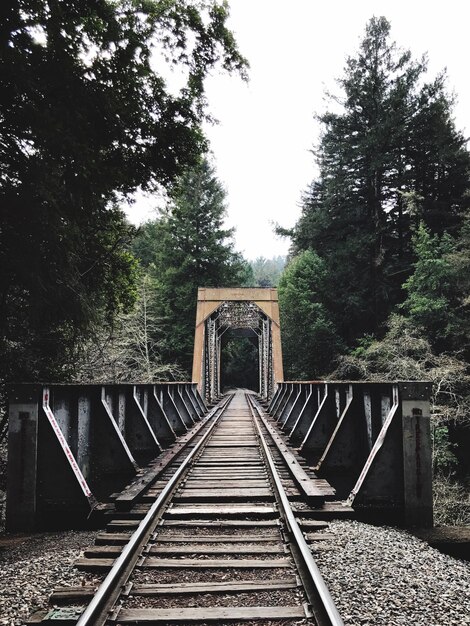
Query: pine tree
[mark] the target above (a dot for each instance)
(394, 139)
(309, 339)
(193, 250)
(435, 302)
(267, 272)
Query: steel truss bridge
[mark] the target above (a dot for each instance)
(72, 446)
(240, 312)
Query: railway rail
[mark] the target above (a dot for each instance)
(224, 535)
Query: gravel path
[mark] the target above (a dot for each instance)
(381, 576)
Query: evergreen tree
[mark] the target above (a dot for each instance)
(459, 259)
(147, 241)
(435, 302)
(309, 339)
(193, 250)
(429, 289)
(267, 272)
(393, 140)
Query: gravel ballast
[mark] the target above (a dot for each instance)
(387, 577)
(377, 576)
(32, 566)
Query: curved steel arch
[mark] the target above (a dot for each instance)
(241, 308)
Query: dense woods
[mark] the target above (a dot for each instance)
(393, 171)
(379, 257)
(377, 279)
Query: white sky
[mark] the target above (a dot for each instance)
(296, 49)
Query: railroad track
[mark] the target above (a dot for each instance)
(221, 537)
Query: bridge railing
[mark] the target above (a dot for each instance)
(370, 440)
(73, 445)
(70, 446)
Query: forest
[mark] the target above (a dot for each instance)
(376, 283)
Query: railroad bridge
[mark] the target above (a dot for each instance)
(81, 450)
(238, 313)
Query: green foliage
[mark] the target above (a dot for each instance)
(363, 345)
(309, 339)
(146, 243)
(459, 260)
(189, 248)
(240, 364)
(402, 354)
(87, 118)
(267, 272)
(246, 277)
(389, 156)
(431, 289)
(444, 459)
(59, 282)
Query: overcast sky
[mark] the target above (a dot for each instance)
(296, 49)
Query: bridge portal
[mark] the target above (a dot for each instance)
(241, 312)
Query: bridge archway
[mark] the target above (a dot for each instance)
(242, 312)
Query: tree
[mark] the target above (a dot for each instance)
(431, 290)
(87, 117)
(239, 363)
(131, 350)
(193, 249)
(309, 339)
(266, 272)
(393, 139)
(147, 241)
(459, 259)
